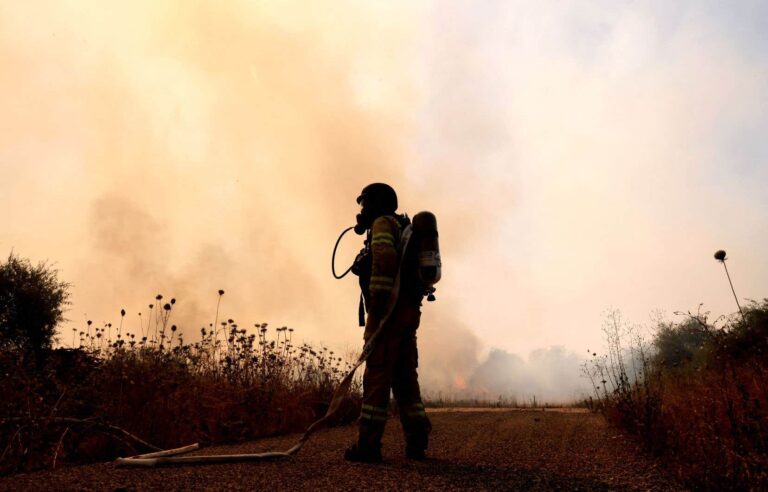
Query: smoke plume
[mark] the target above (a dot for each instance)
(577, 156)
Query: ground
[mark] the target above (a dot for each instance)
(469, 450)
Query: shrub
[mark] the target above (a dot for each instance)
(32, 301)
(701, 397)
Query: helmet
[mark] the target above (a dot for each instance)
(378, 197)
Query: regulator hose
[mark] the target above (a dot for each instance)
(333, 258)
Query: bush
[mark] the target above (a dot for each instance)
(701, 397)
(677, 344)
(32, 301)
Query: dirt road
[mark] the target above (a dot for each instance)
(479, 450)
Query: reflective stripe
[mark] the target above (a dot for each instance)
(389, 242)
(380, 279)
(383, 235)
(379, 288)
(416, 410)
(374, 414)
(373, 409)
(380, 283)
(416, 413)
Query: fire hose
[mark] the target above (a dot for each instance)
(172, 456)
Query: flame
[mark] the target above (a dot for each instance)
(459, 382)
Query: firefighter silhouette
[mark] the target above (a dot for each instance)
(392, 365)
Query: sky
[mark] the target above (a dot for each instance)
(580, 156)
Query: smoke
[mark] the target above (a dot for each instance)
(550, 375)
(577, 156)
(449, 352)
(622, 148)
(197, 147)
(456, 364)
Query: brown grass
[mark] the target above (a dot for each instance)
(239, 384)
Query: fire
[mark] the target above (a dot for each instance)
(459, 382)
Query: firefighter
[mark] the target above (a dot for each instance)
(393, 362)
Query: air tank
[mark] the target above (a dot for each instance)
(425, 234)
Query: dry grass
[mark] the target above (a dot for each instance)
(698, 394)
(439, 401)
(232, 385)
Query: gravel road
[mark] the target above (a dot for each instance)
(470, 450)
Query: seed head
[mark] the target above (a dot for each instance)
(167, 307)
(173, 300)
(221, 292)
(173, 327)
(158, 297)
(122, 312)
(720, 255)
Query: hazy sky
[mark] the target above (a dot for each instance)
(578, 155)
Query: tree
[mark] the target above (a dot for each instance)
(32, 302)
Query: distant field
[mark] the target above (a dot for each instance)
(502, 409)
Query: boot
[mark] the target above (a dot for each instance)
(370, 454)
(415, 453)
(415, 446)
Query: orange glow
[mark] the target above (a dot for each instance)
(459, 383)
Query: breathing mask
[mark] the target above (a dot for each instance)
(364, 220)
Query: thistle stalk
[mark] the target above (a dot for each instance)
(215, 322)
(720, 256)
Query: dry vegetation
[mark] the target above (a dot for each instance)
(72, 405)
(440, 401)
(698, 393)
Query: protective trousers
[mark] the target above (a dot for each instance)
(392, 365)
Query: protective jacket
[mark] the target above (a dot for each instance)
(378, 281)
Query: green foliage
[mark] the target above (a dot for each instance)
(32, 301)
(747, 337)
(677, 344)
